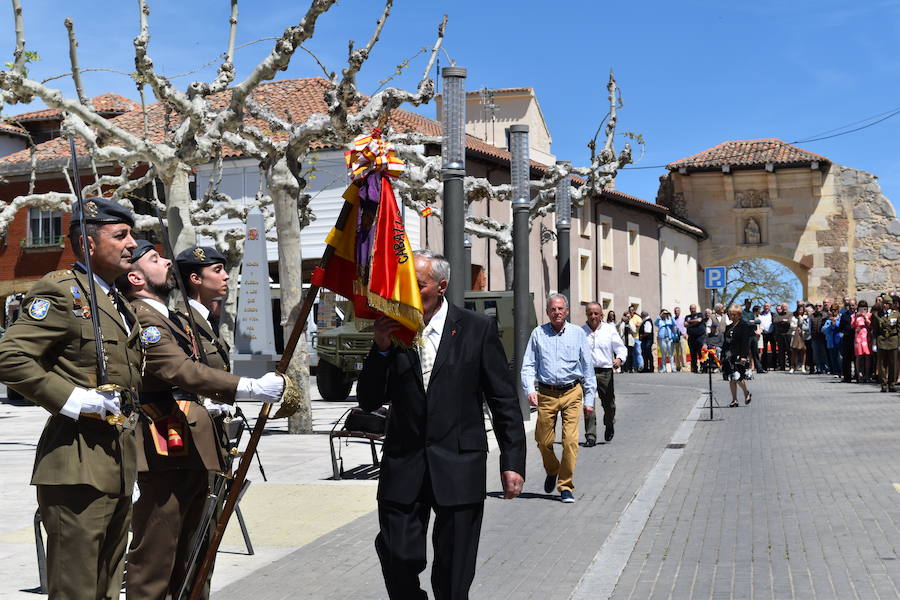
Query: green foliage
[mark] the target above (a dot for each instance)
(30, 56)
(760, 280)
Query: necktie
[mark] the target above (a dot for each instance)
(427, 352)
(117, 302)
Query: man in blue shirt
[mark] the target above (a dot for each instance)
(558, 376)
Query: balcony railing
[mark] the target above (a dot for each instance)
(52, 242)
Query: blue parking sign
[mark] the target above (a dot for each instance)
(714, 277)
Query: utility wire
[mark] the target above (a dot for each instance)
(883, 117)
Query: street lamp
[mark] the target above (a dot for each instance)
(563, 230)
(453, 172)
(522, 303)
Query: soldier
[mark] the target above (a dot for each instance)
(181, 434)
(84, 465)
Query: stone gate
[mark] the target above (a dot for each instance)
(829, 224)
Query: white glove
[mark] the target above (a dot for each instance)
(267, 388)
(216, 409)
(92, 401)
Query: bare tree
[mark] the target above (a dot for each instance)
(207, 117)
(759, 280)
(420, 186)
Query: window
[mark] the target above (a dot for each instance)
(584, 218)
(44, 227)
(636, 303)
(634, 248)
(585, 279)
(605, 231)
(606, 301)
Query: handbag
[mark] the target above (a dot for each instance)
(367, 422)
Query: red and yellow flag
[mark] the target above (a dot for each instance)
(372, 263)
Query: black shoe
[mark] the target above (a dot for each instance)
(550, 484)
(609, 433)
(762, 371)
(891, 389)
(883, 389)
(588, 443)
(748, 398)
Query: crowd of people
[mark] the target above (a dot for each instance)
(847, 339)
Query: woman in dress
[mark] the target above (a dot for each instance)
(862, 341)
(736, 354)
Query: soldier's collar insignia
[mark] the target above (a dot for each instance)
(199, 254)
(90, 210)
(38, 309)
(150, 335)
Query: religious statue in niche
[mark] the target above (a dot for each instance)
(752, 232)
(752, 199)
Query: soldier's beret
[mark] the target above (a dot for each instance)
(101, 211)
(200, 256)
(142, 248)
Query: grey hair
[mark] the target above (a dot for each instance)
(440, 266)
(552, 297)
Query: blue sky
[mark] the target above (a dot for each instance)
(692, 74)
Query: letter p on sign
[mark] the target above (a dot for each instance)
(715, 278)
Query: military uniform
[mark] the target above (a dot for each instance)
(170, 508)
(84, 468)
(887, 339)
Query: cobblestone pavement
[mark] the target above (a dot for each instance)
(793, 496)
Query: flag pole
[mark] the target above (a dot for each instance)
(247, 456)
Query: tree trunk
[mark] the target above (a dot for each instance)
(284, 191)
(178, 209)
(507, 270)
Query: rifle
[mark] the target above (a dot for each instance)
(103, 383)
(237, 483)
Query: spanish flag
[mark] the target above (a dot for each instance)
(372, 263)
(393, 289)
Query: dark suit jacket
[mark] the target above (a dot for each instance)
(442, 431)
(737, 340)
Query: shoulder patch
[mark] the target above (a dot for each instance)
(150, 335)
(38, 309)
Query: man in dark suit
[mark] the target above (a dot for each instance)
(436, 448)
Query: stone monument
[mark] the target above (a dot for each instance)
(254, 334)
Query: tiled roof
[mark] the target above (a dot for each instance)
(748, 153)
(297, 98)
(11, 129)
(622, 197)
(512, 90)
(105, 104)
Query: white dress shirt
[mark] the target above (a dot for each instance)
(606, 345)
(432, 334)
(204, 312)
(159, 306)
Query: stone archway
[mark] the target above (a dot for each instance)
(799, 271)
(827, 223)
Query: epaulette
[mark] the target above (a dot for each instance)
(61, 274)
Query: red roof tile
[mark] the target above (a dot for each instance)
(296, 98)
(748, 153)
(617, 196)
(105, 104)
(12, 129)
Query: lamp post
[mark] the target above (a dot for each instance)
(453, 172)
(520, 176)
(563, 233)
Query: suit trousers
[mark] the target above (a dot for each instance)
(568, 404)
(166, 516)
(695, 343)
(679, 354)
(607, 394)
(87, 532)
(401, 546)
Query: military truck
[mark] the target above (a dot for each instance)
(342, 350)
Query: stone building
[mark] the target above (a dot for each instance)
(829, 224)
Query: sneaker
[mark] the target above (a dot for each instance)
(791, 372)
(567, 497)
(549, 484)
